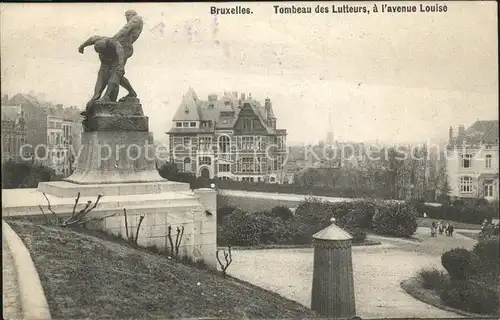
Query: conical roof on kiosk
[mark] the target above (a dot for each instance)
(332, 232)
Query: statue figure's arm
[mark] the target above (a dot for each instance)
(135, 22)
(90, 41)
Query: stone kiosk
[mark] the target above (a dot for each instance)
(117, 160)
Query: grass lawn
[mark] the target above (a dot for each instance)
(89, 277)
(427, 222)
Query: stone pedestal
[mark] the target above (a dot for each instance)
(333, 283)
(117, 160)
(115, 157)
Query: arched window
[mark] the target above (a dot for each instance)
(187, 164)
(224, 144)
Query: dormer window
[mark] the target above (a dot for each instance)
(178, 124)
(192, 124)
(185, 124)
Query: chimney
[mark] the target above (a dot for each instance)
(450, 135)
(235, 94)
(212, 97)
(461, 129)
(243, 97)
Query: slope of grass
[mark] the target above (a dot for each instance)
(88, 277)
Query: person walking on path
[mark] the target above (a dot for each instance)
(433, 229)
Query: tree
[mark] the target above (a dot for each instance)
(445, 187)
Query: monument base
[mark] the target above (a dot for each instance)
(162, 205)
(115, 157)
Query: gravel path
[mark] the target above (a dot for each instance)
(378, 271)
(10, 290)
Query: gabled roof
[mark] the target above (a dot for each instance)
(188, 110)
(482, 131)
(223, 112)
(10, 113)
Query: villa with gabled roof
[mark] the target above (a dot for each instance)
(472, 161)
(233, 137)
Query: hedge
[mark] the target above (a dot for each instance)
(469, 211)
(24, 174)
(311, 216)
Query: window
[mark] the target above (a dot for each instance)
(247, 143)
(247, 179)
(206, 124)
(205, 161)
(247, 164)
(185, 124)
(224, 168)
(466, 160)
(262, 165)
(465, 184)
(246, 124)
(187, 164)
(186, 141)
(224, 144)
(192, 124)
(488, 190)
(178, 124)
(488, 161)
(205, 143)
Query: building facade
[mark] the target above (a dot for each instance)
(53, 133)
(472, 161)
(13, 132)
(233, 137)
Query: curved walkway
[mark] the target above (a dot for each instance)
(10, 290)
(378, 272)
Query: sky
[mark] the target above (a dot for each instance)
(388, 77)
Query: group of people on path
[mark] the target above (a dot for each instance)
(489, 229)
(447, 229)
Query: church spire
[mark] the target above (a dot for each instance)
(329, 134)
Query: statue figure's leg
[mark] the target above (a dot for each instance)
(126, 84)
(113, 86)
(102, 81)
(128, 50)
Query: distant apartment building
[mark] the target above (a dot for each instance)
(53, 133)
(233, 137)
(13, 133)
(472, 161)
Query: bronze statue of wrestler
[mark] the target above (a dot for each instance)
(113, 54)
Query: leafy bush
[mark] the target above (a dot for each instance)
(272, 229)
(239, 229)
(471, 296)
(282, 212)
(224, 212)
(433, 279)
(488, 253)
(395, 219)
(358, 234)
(460, 263)
(300, 233)
(25, 174)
